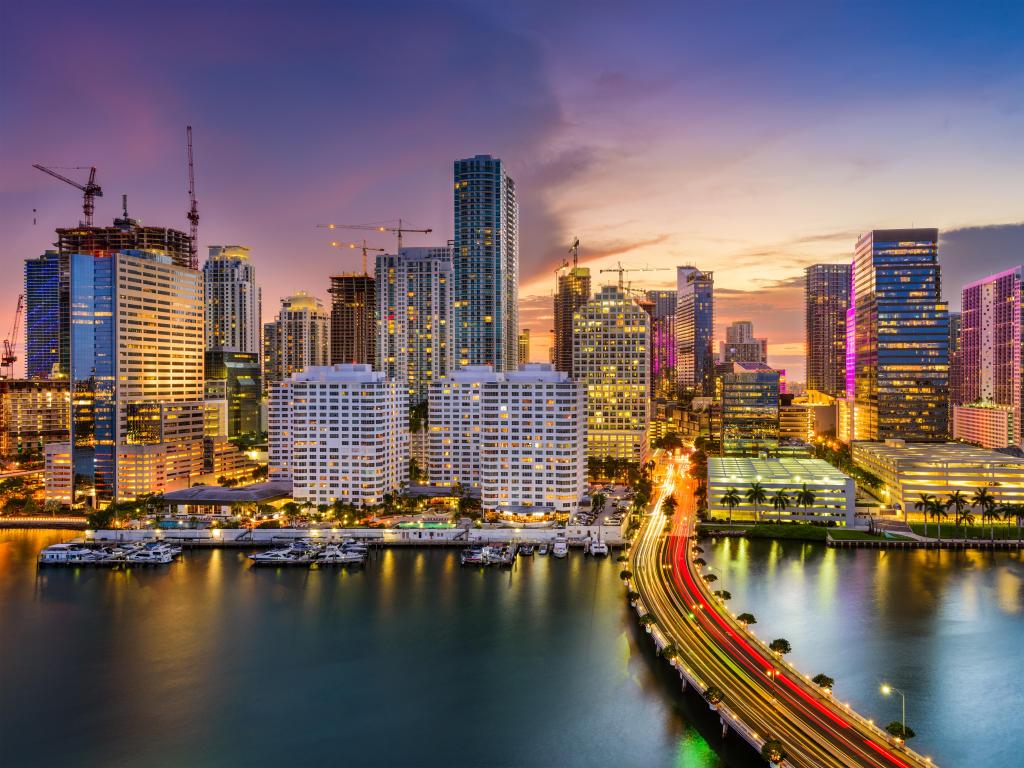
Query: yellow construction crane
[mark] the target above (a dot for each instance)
(399, 230)
(363, 248)
(622, 270)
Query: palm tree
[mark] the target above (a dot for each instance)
(923, 504)
(990, 513)
(670, 505)
(1015, 511)
(781, 503)
(757, 496)
(957, 502)
(731, 499)
(805, 497)
(937, 511)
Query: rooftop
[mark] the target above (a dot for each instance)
(897, 452)
(786, 469)
(214, 495)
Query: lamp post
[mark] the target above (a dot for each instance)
(887, 690)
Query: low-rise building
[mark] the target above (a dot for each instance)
(984, 424)
(908, 470)
(33, 413)
(834, 492)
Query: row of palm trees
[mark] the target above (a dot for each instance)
(962, 507)
(757, 496)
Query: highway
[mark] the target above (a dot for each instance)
(765, 693)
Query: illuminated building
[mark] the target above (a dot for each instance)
(235, 377)
(901, 337)
(486, 265)
(834, 492)
(749, 397)
(233, 301)
(353, 319)
(990, 392)
(572, 291)
(297, 339)
(46, 317)
(663, 344)
(33, 413)
(612, 361)
(695, 327)
(826, 300)
(524, 346)
(909, 469)
(339, 433)
(414, 306)
(455, 423)
(740, 346)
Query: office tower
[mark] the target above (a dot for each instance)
(297, 339)
(749, 395)
(987, 408)
(826, 300)
(695, 327)
(136, 373)
(663, 344)
(414, 306)
(532, 442)
(572, 291)
(33, 413)
(454, 409)
(611, 360)
(46, 317)
(233, 301)
(486, 264)
(235, 378)
(955, 391)
(353, 319)
(524, 346)
(901, 337)
(339, 433)
(740, 346)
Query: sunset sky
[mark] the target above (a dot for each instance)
(750, 139)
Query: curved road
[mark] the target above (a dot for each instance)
(763, 692)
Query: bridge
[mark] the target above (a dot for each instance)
(759, 696)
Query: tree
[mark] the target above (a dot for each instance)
(746, 619)
(824, 681)
(723, 594)
(597, 502)
(670, 652)
(924, 504)
(957, 502)
(756, 496)
(647, 619)
(731, 499)
(895, 728)
(415, 473)
(772, 751)
(1015, 511)
(625, 574)
(780, 645)
(781, 503)
(938, 514)
(700, 562)
(670, 505)
(805, 497)
(714, 695)
(100, 518)
(989, 513)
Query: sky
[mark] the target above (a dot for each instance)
(747, 138)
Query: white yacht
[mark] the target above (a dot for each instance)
(598, 548)
(560, 548)
(66, 553)
(335, 555)
(149, 557)
(272, 556)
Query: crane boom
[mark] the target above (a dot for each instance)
(10, 356)
(622, 270)
(193, 210)
(363, 247)
(399, 230)
(90, 190)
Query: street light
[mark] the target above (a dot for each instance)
(887, 690)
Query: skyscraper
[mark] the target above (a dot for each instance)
(46, 317)
(901, 337)
(233, 300)
(486, 264)
(826, 299)
(740, 346)
(414, 317)
(572, 291)
(353, 319)
(695, 327)
(663, 344)
(611, 360)
(989, 403)
(524, 346)
(296, 340)
(749, 394)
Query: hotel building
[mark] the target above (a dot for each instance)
(233, 301)
(297, 339)
(339, 433)
(455, 424)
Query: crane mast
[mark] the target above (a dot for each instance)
(193, 210)
(90, 190)
(10, 356)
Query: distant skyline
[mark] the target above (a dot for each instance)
(748, 140)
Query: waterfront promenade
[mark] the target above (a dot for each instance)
(762, 697)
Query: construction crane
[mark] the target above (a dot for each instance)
(193, 210)
(363, 247)
(11, 342)
(623, 270)
(90, 190)
(399, 230)
(574, 249)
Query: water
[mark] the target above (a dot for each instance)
(413, 661)
(944, 627)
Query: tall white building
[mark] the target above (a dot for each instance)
(611, 361)
(518, 436)
(339, 433)
(414, 317)
(298, 338)
(233, 300)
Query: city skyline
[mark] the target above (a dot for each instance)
(690, 187)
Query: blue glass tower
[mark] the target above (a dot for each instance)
(46, 313)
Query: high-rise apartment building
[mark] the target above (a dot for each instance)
(740, 346)
(524, 346)
(989, 400)
(414, 317)
(695, 327)
(47, 315)
(749, 396)
(339, 433)
(353, 319)
(486, 264)
(826, 300)
(297, 340)
(612, 362)
(455, 424)
(663, 344)
(901, 337)
(572, 291)
(33, 413)
(233, 301)
(136, 373)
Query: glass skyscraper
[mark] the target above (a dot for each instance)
(695, 327)
(901, 337)
(485, 265)
(46, 316)
(572, 291)
(826, 297)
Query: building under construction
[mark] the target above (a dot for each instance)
(572, 292)
(127, 234)
(353, 319)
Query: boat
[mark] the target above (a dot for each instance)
(335, 555)
(542, 549)
(527, 550)
(598, 548)
(66, 553)
(472, 556)
(275, 557)
(496, 555)
(560, 548)
(149, 557)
